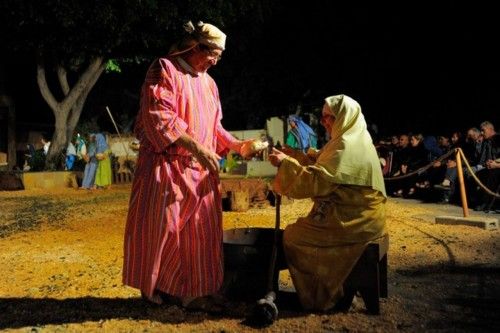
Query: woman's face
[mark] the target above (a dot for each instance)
(327, 119)
(414, 141)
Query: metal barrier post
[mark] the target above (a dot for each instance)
(463, 195)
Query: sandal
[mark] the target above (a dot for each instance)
(155, 298)
(160, 298)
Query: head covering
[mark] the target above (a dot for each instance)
(350, 156)
(304, 134)
(203, 33)
(101, 144)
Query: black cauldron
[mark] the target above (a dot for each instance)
(247, 255)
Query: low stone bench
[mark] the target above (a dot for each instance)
(368, 277)
(49, 179)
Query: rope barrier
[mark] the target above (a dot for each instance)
(422, 169)
(472, 173)
(441, 158)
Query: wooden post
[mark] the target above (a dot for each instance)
(239, 201)
(463, 195)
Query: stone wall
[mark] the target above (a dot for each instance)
(49, 179)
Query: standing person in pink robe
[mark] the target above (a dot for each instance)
(173, 236)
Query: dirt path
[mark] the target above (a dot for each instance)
(61, 257)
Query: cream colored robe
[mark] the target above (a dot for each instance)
(322, 248)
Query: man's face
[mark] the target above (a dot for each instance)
(487, 131)
(403, 141)
(204, 58)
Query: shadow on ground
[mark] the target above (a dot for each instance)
(470, 297)
(27, 312)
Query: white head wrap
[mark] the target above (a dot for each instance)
(203, 33)
(350, 156)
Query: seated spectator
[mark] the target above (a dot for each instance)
(417, 158)
(489, 174)
(45, 145)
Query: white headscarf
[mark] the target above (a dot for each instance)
(350, 156)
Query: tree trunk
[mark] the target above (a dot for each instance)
(67, 112)
(58, 145)
(76, 111)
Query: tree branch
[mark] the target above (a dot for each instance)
(63, 79)
(76, 111)
(44, 87)
(84, 80)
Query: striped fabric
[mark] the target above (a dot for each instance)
(173, 236)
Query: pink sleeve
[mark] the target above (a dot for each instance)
(225, 140)
(162, 125)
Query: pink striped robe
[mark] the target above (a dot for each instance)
(173, 236)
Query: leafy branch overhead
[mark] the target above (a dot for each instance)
(76, 41)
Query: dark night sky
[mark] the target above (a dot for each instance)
(423, 68)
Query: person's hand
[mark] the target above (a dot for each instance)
(492, 164)
(451, 164)
(276, 157)
(250, 148)
(246, 151)
(208, 159)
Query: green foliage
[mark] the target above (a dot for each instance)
(113, 66)
(117, 29)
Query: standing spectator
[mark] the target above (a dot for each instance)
(104, 174)
(91, 164)
(300, 136)
(81, 147)
(70, 156)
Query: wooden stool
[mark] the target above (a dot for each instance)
(368, 277)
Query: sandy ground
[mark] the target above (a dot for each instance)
(61, 258)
